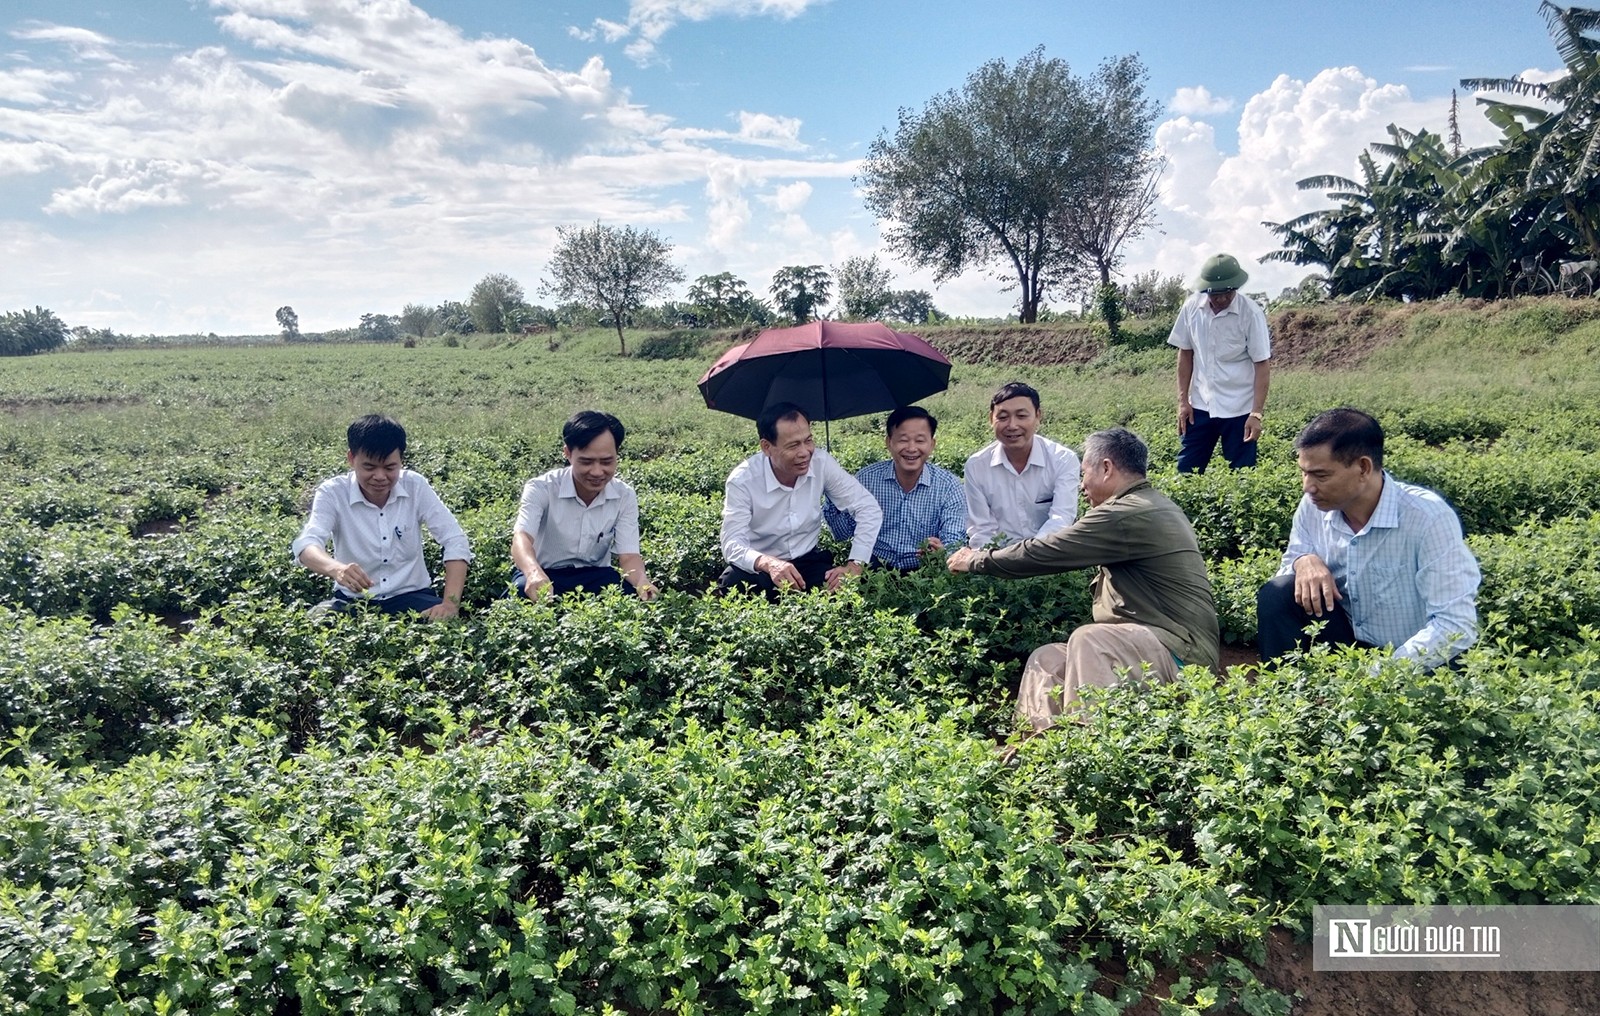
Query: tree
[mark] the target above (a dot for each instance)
(1549, 160)
(289, 321)
(1118, 172)
(1402, 230)
(913, 306)
(1111, 210)
(453, 316)
(419, 319)
(798, 290)
(614, 271)
(25, 332)
(987, 176)
(724, 300)
(378, 328)
(491, 300)
(863, 287)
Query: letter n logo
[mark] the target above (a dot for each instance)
(1349, 938)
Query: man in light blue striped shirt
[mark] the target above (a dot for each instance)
(1383, 563)
(924, 505)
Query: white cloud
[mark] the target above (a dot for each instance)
(1214, 200)
(649, 20)
(85, 44)
(760, 129)
(349, 156)
(790, 198)
(1198, 101)
(31, 86)
(127, 187)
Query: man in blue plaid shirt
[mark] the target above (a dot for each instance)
(924, 505)
(1381, 562)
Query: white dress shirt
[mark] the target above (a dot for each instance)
(1002, 502)
(762, 516)
(386, 542)
(1226, 347)
(570, 534)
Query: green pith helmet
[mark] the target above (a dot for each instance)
(1221, 271)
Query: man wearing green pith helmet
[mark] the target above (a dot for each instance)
(1224, 356)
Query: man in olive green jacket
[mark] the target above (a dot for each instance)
(1153, 609)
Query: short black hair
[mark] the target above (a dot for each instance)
(767, 422)
(377, 435)
(588, 424)
(1348, 433)
(905, 413)
(1015, 390)
(1122, 446)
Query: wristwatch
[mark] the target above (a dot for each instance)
(1256, 416)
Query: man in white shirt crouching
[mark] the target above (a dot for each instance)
(772, 511)
(374, 516)
(1021, 485)
(572, 520)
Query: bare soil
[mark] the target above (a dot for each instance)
(1429, 993)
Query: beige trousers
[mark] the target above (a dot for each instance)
(1093, 655)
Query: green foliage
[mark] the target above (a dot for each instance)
(611, 270)
(1009, 169)
(25, 332)
(723, 299)
(863, 287)
(1108, 302)
(215, 802)
(799, 291)
(495, 296)
(682, 344)
(289, 322)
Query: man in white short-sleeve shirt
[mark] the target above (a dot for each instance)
(374, 516)
(573, 519)
(1020, 485)
(772, 511)
(1224, 368)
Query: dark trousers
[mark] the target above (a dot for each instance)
(417, 600)
(813, 566)
(1200, 439)
(590, 579)
(1281, 622)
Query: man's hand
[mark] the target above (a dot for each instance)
(535, 585)
(1186, 417)
(782, 573)
(1314, 588)
(1252, 427)
(931, 543)
(836, 576)
(351, 577)
(961, 560)
(442, 611)
(647, 590)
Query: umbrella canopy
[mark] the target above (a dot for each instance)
(830, 369)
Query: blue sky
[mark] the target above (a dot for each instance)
(191, 165)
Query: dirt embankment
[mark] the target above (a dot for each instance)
(1331, 336)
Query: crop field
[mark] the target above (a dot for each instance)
(215, 803)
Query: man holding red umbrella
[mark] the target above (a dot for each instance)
(772, 511)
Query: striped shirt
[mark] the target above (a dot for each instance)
(936, 506)
(1407, 578)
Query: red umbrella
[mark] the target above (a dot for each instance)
(830, 369)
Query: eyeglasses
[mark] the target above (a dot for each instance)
(1220, 292)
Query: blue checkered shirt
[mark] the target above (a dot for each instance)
(1407, 579)
(936, 506)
